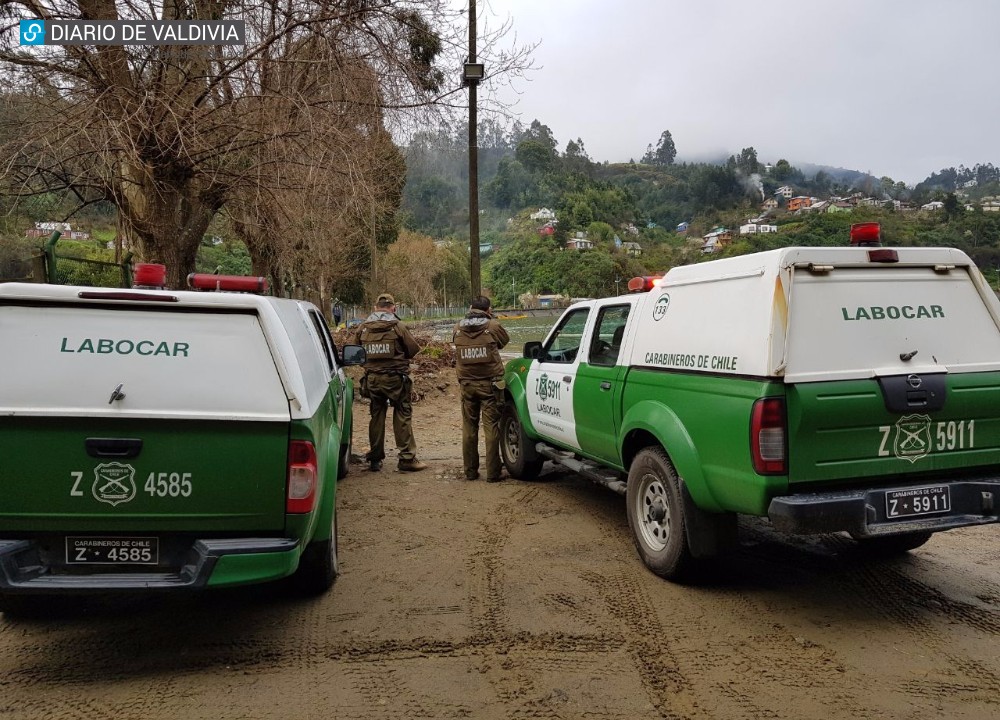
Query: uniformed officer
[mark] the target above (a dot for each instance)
(478, 338)
(389, 347)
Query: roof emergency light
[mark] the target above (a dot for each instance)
(150, 275)
(227, 283)
(867, 234)
(644, 283)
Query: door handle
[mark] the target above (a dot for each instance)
(567, 379)
(605, 385)
(113, 447)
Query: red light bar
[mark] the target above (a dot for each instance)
(150, 275)
(227, 283)
(869, 233)
(644, 283)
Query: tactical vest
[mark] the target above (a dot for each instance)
(381, 347)
(477, 357)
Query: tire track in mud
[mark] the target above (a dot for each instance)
(512, 661)
(629, 613)
(919, 611)
(503, 664)
(771, 657)
(378, 682)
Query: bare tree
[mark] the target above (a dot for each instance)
(172, 134)
(411, 266)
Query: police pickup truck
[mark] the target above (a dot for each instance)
(851, 389)
(153, 439)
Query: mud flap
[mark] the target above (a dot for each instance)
(708, 534)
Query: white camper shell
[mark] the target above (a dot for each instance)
(819, 314)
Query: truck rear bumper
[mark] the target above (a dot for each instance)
(864, 513)
(215, 562)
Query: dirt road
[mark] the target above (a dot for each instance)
(527, 600)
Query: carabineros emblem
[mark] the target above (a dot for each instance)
(114, 483)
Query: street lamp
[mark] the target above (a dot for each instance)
(472, 72)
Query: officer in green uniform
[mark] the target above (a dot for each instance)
(389, 347)
(478, 338)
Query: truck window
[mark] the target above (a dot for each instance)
(607, 340)
(325, 341)
(565, 341)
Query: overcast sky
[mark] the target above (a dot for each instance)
(896, 87)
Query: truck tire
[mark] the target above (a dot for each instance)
(515, 447)
(318, 566)
(655, 511)
(891, 545)
(344, 459)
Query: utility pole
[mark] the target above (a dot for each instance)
(513, 292)
(471, 76)
(617, 280)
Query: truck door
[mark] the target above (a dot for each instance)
(551, 380)
(597, 397)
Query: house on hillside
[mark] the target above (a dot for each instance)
(683, 227)
(543, 214)
(714, 241)
(44, 229)
(933, 205)
(757, 229)
(579, 242)
(632, 248)
(770, 204)
(798, 202)
(839, 206)
(785, 191)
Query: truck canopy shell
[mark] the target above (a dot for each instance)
(817, 314)
(238, 357)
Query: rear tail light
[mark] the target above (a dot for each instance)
(301, 477)
(769, 437)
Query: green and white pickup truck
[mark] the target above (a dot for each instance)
(157, 440)
(828, 389)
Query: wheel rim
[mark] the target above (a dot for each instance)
(512, 440)
(653, 512)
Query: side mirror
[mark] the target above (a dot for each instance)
(354, 355)
(533, 350)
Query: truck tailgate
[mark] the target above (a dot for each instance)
(105, 475)
(843, 430)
